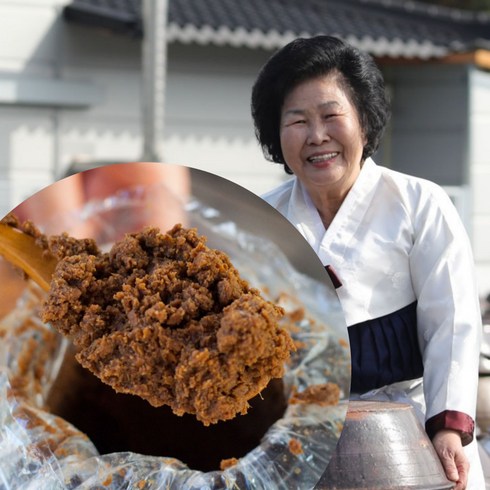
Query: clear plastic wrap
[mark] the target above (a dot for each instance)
(39, 450)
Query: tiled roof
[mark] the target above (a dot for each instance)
(383, 27)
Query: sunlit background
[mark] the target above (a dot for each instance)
(73, 88)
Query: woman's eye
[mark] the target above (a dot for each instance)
(294, 122)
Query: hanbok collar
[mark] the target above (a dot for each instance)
(329, 243)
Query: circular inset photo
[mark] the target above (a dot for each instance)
(163, 327)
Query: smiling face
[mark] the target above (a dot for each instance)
(321, 137)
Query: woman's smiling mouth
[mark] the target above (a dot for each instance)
(323, 157)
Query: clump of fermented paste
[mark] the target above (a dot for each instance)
(165, 317)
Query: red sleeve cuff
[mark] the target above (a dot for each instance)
(451, 419)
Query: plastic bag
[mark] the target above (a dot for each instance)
(39, 450)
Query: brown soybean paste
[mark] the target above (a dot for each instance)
(165, 317)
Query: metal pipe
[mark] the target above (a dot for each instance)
(154, 61)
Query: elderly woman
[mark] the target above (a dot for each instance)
(393, 244)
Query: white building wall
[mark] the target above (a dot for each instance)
(429, 132)
(480, 172)
(72, 94)
(208, 114)
(27, 51)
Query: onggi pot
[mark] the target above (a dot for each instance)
(383, 446)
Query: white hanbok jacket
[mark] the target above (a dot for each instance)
(396, 243)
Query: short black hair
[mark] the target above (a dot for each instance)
(307, 58)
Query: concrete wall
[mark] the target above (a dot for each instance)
(208, 114)
(430, 122)
(480, 172)
(27, 53)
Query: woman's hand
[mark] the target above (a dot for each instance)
(447, 444)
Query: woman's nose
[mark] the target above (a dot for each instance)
(317, 134)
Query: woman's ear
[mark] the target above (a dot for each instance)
(364, 138)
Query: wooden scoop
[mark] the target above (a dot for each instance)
(22, 251)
